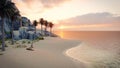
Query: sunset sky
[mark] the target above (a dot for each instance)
(74, 14)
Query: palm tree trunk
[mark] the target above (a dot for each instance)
(12, 34)
(50, 32)
(31, 44)
(35, 30)
(21, 22)
(3, 36)
(41, 29)
(45, 30)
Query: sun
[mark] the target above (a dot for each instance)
(62, 27)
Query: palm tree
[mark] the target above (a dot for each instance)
(41, 23)
(7, 10)
(46, 25)
(35, 23)
(51, 26)
(14, 18)
(20, 19)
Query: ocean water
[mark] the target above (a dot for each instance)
(98, 49)
(85, 35)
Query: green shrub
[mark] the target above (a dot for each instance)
(1, 53)
(0, 42)
(23, 42)
(40, 38)
(7, 39)
(8, 32)
(20, 46)
(29, 42)
(17, 43)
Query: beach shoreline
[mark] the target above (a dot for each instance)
(97, 53)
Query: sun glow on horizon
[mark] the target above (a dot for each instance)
(62, 27)
(87, 27)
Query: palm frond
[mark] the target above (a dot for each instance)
(8, 9)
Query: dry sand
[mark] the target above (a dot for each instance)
(47, 53)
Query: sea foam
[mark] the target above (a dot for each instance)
(94, 57)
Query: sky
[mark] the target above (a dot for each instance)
(74, 14)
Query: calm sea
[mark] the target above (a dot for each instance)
(101, 49)
(87, 35)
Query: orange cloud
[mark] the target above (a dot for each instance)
(92, 18)
(92, 21)
(34, 8)
(40, 3)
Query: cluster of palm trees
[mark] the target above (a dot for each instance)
(7, 10)
(44, 23)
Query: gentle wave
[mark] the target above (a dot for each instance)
(94, 57)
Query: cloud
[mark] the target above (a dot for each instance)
(94, 21)
(52, 3)
(93, 18)
(44, 3)
(34, 8)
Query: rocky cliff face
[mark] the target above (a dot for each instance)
(27, 31)
(7, 28)
(16, 26)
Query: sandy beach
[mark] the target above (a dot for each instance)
(48, 53)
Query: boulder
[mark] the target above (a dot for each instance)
(23, 32)
(30, 35)
(16, 35)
